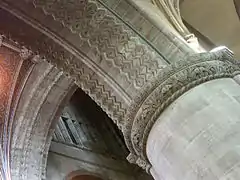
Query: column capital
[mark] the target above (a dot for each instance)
(165, 88)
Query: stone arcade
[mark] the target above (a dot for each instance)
(87, 86)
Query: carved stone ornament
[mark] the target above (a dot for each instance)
(101, 30)
(37, 59)
(166, 87)
(25, 53)
(12, 78)
(91, 78)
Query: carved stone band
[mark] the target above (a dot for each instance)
(170, 83)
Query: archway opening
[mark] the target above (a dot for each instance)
(83, 124)
(86, 141)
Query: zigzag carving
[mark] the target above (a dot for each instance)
(101, 96)
(83, 76)
(117, 43)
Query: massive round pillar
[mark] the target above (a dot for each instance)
(197, 136)
(185, 123)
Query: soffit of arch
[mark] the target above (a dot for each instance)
(39, 107)
(14, 67)
(33, 94)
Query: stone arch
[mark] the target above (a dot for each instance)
(100, 52)
(32, 132)
(32, 95)
(91, 78)
(96, 48)
(111, 75)
(42, 99)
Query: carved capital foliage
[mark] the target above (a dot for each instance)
(170, 83)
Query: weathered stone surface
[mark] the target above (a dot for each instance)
(10, 65)
(65, 159)
(132, 80)
(197, 136)
(40, 101)
(172, 82)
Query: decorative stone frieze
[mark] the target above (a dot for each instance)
(91, 78)
(110, 62)
(105, 33)
(166, 87)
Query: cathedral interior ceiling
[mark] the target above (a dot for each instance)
(83, 44)
(110, 74)
(106, 57)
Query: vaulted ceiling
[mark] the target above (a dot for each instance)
(80, 40)
(215, 19)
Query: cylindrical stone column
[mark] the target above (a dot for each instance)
(183, 125)
(198, 135)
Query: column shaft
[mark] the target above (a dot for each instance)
(197, 136)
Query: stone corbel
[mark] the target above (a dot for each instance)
(164, 89)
